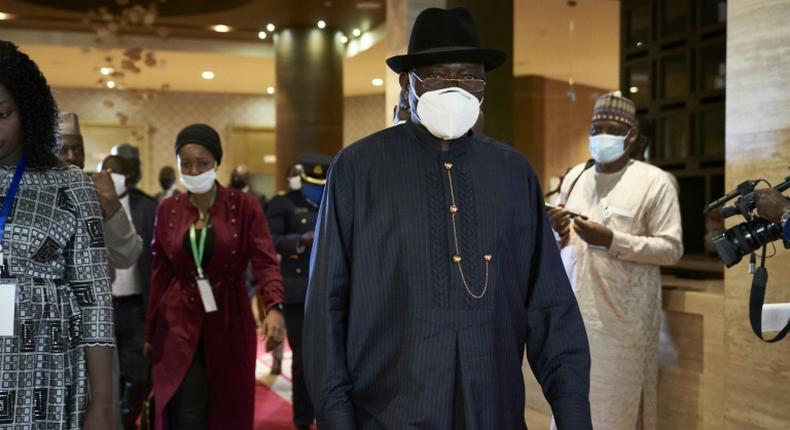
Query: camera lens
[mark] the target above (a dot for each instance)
(744, 239)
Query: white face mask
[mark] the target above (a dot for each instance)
(201, 183)
(448, 113)
(606, 148)
(120, 183)
(295, 183)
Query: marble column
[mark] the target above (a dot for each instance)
(757, 146)
(309, 65)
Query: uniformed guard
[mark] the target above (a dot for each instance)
(292, 217)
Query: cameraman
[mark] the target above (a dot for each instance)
(774, 207)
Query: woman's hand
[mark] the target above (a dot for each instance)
(274, 326)
(99, 415)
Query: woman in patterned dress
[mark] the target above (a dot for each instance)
(55, 368)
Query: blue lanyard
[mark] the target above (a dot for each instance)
(9, 198)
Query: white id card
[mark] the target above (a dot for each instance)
(7, 303)
(206, 295)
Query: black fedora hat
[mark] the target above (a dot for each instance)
(445, 36)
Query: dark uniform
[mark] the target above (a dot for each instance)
(291, 216)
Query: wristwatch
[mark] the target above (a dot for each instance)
(785, 223)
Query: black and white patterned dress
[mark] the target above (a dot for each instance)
(54, 248)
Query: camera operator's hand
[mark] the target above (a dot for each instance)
(771, 204)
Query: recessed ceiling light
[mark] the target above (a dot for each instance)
(356, 32)
(343, 39)
(4, 16)
(634, 90)
(105, 70)
(270, 90)
(110, 84)
(207, 75)
(261, 35)
(322, 24)
(221, 28)
(368, 5)
(270, 27)
(377, 82)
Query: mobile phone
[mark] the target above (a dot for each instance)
(571, 213)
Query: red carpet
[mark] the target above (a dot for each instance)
(273, 409)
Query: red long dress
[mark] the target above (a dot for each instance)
(176, 321)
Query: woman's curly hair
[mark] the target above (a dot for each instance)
(38, 112)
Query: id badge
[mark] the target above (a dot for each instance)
(206, 295)
(7, 306)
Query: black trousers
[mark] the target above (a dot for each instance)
(188, 409)
(130, 337)
(303, 407)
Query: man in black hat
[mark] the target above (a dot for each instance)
(292, 220)
(435, 265)
(131, 288)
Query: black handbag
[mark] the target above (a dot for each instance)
(147, 414)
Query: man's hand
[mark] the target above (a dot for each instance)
(771, 204)
(593, 233)
(107, 195)
(561, 223)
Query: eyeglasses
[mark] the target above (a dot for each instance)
(431, 83)
(608, 129)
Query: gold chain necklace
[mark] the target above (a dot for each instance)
(487, 258)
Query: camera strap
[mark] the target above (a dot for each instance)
(756, 300)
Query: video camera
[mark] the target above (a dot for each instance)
(749, 236)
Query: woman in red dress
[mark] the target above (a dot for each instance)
(200, 332)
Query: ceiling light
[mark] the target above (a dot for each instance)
(270, 159)
(322, 24)
(105, 70)
(110, 84)
(270, 27)
(270, 90)
(368, 5)
(343, 39)
(356, 32)
(221, 28)
(4, 16)
(377, 82)
(261, 35)
(634, 90)
(207, 75)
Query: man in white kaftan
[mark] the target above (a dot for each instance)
(613, 259)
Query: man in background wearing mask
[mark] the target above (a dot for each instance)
(123, 243)
(292, 220)
(240, 180)
(434, 264)
(613, 259)
(167, 180)
(129, 288)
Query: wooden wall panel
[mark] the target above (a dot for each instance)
(550, 128)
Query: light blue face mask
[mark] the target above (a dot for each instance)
(313, 192)
(607, 148)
